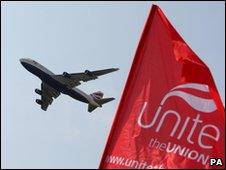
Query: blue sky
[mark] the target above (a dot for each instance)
(73, 37)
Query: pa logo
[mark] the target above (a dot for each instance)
(216, 162)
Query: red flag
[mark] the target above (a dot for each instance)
(170, 114)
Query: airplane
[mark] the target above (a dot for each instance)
(53, 85)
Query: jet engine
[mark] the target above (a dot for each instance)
(38, 91)
(39, 101)
(65, 74)
(89, 73)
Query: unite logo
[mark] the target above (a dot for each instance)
(199, 104)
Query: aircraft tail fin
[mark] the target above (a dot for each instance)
(100, 102)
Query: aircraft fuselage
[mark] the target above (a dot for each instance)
(48, 77)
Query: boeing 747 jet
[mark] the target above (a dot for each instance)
(53, 85)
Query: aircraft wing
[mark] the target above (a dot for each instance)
(74, 79)
(47, 95)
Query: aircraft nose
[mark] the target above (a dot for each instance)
(21, 60)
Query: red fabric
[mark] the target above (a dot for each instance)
(170, 114)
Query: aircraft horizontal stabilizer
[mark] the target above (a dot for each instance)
(100, 102)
